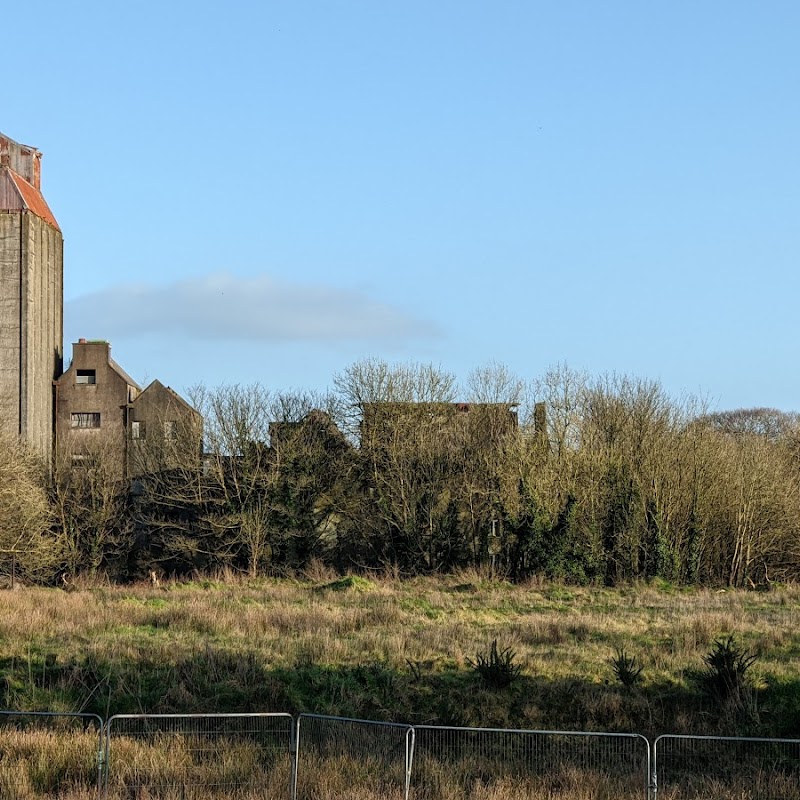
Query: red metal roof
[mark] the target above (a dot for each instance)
(33, 199)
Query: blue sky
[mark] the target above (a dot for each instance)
(271, 191)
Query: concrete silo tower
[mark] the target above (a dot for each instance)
(31, 299)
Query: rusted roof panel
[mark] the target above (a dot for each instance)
(31, 199)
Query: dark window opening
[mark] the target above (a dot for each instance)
(86, 376)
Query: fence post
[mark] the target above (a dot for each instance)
(102, 783)
(652, 789)
(410, 740)
(295, 748)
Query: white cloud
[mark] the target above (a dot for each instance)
(224, 306)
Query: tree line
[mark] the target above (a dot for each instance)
(570, 477)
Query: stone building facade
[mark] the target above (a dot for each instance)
(103, 415)
(31, 298)
(93, 401)
(164, 432)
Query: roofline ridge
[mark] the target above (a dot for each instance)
(121, 372)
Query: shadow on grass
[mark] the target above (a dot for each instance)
(215, 680)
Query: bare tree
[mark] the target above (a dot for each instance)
(267, 494)
(562, 390)
(28, 545)
(769, 423)
(91, 503)
(237, 466)
(373, 380)
(627, 427)
(495, 383)
(401, 417)
(408, 455)
(751, 512)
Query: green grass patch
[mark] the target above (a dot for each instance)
(348, 583)
(387, 649)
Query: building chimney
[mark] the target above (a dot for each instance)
(540, 419)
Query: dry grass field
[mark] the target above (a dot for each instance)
(381, 648)
(387, 649)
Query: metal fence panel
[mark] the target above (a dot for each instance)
(248, 756)
(339, 757)
(694, 767)
(44, 754)
(481, 762)
(199, 756)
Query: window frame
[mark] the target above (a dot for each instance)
(85, 420)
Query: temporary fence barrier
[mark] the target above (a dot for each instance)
(46, 754)
(200, 756)
(343, 755)
(695, 767)
(450, 762)
(249, 756)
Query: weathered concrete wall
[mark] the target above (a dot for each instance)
(31, 347)
(109, 396)
(10, 321)
(42, 332)
(170, 432)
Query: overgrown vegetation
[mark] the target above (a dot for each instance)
(586, 481)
